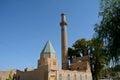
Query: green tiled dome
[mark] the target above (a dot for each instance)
(48, 48)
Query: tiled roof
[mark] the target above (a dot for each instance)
(48, 48)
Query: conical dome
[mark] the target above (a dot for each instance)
(48, 51)
(48, 48)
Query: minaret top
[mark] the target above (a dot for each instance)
(63, 20)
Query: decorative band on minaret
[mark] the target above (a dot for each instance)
(64, 45)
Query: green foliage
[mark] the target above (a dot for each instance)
(108, 30)
(117, 68)
(10, 76)
(81, 46)
(113, 72)
(94, 48)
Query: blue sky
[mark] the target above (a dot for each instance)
(26, 26)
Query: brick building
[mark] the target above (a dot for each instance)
(47, 68)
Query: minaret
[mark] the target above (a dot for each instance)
(64, 45)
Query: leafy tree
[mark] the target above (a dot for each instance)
(94, 48)
(112, 72)
(81, 47)
(10, 76)
(108, 30)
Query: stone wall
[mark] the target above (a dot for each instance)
(5, 74)
(37, 74)
(73, 75)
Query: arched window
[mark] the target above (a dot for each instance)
(60, 76)
(68, 76)
(80, 77)
(75, 77)
(86, 77)
(78, 68)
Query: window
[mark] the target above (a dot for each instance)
(52, 77)
(60, 76)
(86, 77)
(68, 76)
(80, 77)
(54, 63)
(75, 77)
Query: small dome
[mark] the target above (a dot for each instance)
(48, 48)
(48, 51)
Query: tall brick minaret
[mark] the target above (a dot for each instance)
(64, 45)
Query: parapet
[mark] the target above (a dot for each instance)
(81, 59)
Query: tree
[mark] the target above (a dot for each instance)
(10, 76)
(108, 30)
(113, 72)
(94, 48)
